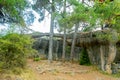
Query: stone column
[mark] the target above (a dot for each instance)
(90, 54)
(112, 50)
(102, 57)
(111, 57)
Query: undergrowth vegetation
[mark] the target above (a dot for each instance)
(14, 49)
(84, 59)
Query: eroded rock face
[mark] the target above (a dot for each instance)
(102, 51)
(104, 56)
(42, 45)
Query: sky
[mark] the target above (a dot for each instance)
(37, 26)
(43, 26)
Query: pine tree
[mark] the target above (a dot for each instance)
(11, 11)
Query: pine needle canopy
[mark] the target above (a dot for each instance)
(11, 11)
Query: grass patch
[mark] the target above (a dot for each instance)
(26, 74)
(116, 75)
(37, 59)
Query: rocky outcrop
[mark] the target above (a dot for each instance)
(102, 47)
(42, 45)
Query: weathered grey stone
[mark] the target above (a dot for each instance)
(101, 51)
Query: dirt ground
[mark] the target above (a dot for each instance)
(66, 71)
(42, 70)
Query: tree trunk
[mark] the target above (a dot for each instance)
(51, 41)
(64, 38)
(73, 42)
(51, 34)
(57, 48)
(64, 45)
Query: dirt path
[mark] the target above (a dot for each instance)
(57, 71)
(65, 71)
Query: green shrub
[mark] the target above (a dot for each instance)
(37, 59)
(84, 59)
(14, 49)
(68, 49)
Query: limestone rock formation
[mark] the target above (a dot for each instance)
(102, 46)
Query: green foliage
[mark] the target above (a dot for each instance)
(74, 2)
(108, 13)
(79, 14)
(65, 22)
(37, 59)
(84, 59)
(106, 36)
(68, 48)
(14, 48)
(14, 9)
(116, 75)
(111, 36)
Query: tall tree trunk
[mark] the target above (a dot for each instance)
(73, 41)
(64, 38)
(57, 48)
(51, 34)
(51, 41)
(64, 45)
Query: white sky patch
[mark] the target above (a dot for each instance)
(1, 27)
(32, 2)
(43, 26)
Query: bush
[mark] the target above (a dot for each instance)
(14, 49)
(37, 59)
(84, 59)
